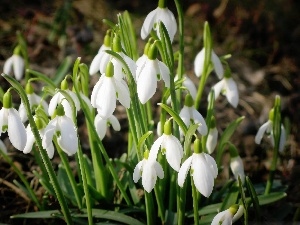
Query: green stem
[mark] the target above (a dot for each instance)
(195, 202)
(272, 172)
(149, 208)
(23, 179)
(46, 160)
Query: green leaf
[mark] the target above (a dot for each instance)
(270, 198)
(253, 196)
(188, 138)
(231, 197)
(38, 215)
(65, 184)
(42, 77)
(226, 136)
(142, 140)
(175, 116)
(166, 45)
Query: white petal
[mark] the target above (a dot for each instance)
(86, 100)
(48, 136)
(95, 91)
(114, 122)
(75, 99)
(16, 130)
(147, 82)
(218, 87)
(217, 65)
(148, 24)
(238, 214)
(232, 93)
(131, 65)
(138, 171)
(185, 115)
(174, 151)
(3, 119)
(189, 84)
(164, 72)
(282, 139)
(55, 100)
(198, 118)
(22, 113)
(261, 131)
(237, 168)
(219, 218)
(123, 93)
(95, 65)
(212, 140)
(7, 68)
(159, 170)
(141, 61)
(18, 66)
(67, 108)
(68, 139)
(167, 17)
(30, 140)
(105, 59)
(203, 179)
(184, 169)
(199, 63)
(118, 69)
(149, 175)
(212, 164)
(106, 98)
(101, 126)
(155, 148)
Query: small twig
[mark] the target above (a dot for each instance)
(15, 188)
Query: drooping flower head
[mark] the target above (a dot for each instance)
(212, 137)
(160, 14)
(101, 124)
(10, 121)
(107, 90)
(236, 164)
(268, 129)
(64, 130)
(227, 86)
(190, 115)
(149, 170)
(170, 146)
(228, 216)
(203, 169)
(148, 73)
(15, 64)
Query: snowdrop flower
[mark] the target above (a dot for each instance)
(149, 170)
(31, 139)
(59, 98)
(268, 129)
(16, 64)
(100, 61)
(118, 66)
(212, 137)
(236, 164)
(170, 146)
(216, 62)
(34, 101)
(190, 115)
(65, 131)
(203, 169)
(228, 87)
(160, 14)
(149, 73)
(229, 216)
(3, 147)
(10, 120)
(102, 124)
(107, 90)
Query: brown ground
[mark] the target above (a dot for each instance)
(263, 38)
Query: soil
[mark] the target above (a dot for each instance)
(262, 37)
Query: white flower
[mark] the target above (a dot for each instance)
(237, 168)
(229, 216)
(31, 140)
(16, 64)
(119, 67)
(149, 170)
(268, 128)
(204, 170)
(10, 120)
(3, 147)
(148, 73)
(154, 17)
(199, 63)
(59, 98)
(212, 139)
(107, 90)
(169, 145)
(102, 124)
(228, 87)
(34, 101)
(100, 60)
(63, 127)
(190, 115)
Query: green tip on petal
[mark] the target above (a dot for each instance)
(28, 88)
(233, 209)
(162, 4)
(168, 127)
(107, 39)
(227, 73)
(7, 100)
(117, 47)
(212, 122)
(271, 115)
(39, 123)
(233, 151)
(152, 51)
(64, 85)
(60, 110)
(83, 68)
(197, 146)
(189, 102)
(109, 72)
(146, 154)
(17, 50)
